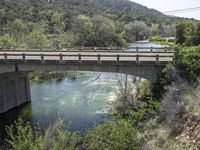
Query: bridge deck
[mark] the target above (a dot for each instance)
(87, 56)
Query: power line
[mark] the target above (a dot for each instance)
(183, 10)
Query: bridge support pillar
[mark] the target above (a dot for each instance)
(14, 90)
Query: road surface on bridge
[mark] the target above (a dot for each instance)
(87, 56)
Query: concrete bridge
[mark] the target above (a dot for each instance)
(15, 65)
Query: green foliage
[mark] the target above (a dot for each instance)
(188, 59)
(164, 78)
(162, 40)
(138, 108)
(18, 29)
(68, 39)
(57, 24)
(6, 41)
(187, 33)
(139, 116)
(157, 38)
(37, 39)
(118, 135)
(21, 136)
(197, 35)
(92, 22)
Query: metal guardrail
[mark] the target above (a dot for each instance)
(79, 57)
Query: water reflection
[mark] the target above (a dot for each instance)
(81, 102)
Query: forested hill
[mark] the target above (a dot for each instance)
(78, 22)
(124, 10)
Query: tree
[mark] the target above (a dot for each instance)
(160, 29)
(138, 30)
(57, 23)
(37, 39)
(189, 32)
(180, 37)
(104, 31)
(18, 30)
(168, 30)
(6, 41)
(197, 35)
(68, 39)
(83, 27)
(154, 29)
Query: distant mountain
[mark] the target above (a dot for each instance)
(122, 10)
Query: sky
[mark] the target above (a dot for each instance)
(170, 5)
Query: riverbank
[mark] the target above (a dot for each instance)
(163, 40)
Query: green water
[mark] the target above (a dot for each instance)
(81, 102)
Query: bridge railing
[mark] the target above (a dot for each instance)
(84, 57)
(91, 49)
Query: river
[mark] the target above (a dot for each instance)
(81, 102)
(145, 43)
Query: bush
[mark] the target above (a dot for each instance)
(21, 136)
(112, 135)
(188, 59)
(164, 78)
(6, 41)
(158, 39)
(37, 39)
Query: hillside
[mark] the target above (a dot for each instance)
(79, 22)
(124, 10)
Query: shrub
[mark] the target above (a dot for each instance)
(188, 59)
(37, 39)
(158, 39)
(6, 41)
(164, 78)
(112, 135)
(21, 136)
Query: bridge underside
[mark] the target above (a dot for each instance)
(146, 70)
(14, 83)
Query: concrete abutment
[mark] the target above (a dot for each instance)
(14, 90)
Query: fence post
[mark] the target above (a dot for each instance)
(79, 58)
(61, 57)
(42, 59)
(24, 57)
(137, 59)
(99, 57)
(5, 57)
(118, 58)
(151, 49)
(137, 49)
(157, 59)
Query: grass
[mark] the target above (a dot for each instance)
(163, 43)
